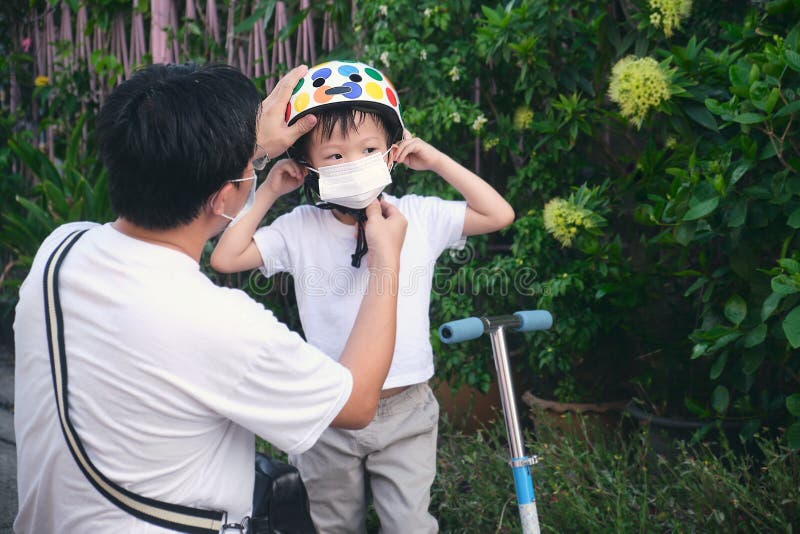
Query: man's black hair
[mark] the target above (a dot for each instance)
(347, 118)
(171, 136)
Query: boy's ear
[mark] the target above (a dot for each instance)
(393, 156)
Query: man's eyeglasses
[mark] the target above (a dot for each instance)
(260, 159)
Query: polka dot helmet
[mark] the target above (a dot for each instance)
(343, 83)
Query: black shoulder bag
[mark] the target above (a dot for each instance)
(280, 501)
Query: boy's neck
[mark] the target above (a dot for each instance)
(344, 217)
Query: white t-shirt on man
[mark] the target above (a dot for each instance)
(315, 247)
(170, 377)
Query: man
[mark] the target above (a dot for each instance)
(170, 376)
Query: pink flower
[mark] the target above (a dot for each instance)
(26, 44)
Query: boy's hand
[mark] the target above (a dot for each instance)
(416, 153)
(385, 231)
(284, 177)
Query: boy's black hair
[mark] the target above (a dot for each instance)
(347, 118)
(171, 136)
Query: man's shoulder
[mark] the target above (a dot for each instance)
(60, 233)
(66, 229)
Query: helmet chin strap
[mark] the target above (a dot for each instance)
(310, 184)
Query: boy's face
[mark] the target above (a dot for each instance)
(344, 146)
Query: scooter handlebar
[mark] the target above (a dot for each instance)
(474, 327)
(461, 330)
(534, 320)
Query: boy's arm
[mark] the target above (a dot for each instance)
(236, 250)
(487, 211)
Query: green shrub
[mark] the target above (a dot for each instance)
(662, 138)
(673, 133)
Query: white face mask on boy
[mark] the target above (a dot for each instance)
(356, 183)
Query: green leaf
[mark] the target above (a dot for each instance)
(793, 404)
(794, 219)
(55, 198)
(702, 117)
(772, 99)
(698, 350)
(735, 309)
(790, 265)
(749, 428)
(770, 304)
(696, 408)
(720, 399)
(739, 75)
(739, 172)
(700, 282)
(263, 10)
(788, 109)
(791, 327)
(792, 59)
(752, 361)
(701, 209)
(38, 214)
(755, 336)
(737, 214)
(714, 107)
(293, 24)
(685, 233)
(749, 118)
(719, 366)
(784, 285)
(793, 436)
(725, 341)
(754, 74)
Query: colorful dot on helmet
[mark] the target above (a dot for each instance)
(321, 74)
(347, 70)
(374, 74)
(355, 90)
(391, 96)
(298, 86)
(301, 102)
(374, 90)
(320, 95)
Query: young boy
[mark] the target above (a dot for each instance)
(358, 138)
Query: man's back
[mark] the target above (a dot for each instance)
(162, 366)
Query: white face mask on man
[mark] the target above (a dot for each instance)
(354, 184)
(251, 197)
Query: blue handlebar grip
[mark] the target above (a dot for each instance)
(461, 330)
(534, 320)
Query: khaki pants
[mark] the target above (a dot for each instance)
(395, 454)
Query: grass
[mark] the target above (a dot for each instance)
(591, 481)
(617, 480)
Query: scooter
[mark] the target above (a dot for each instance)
(521, 321)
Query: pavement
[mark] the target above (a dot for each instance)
(8, 448)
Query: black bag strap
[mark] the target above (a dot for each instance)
(165, 515)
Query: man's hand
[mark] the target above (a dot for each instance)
(284, 177)
(272, 133)
(385, 231)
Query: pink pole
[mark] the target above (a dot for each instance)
(212, 21)
(159, 13)
(229, 44)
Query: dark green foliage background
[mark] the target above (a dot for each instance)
(689, 297)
